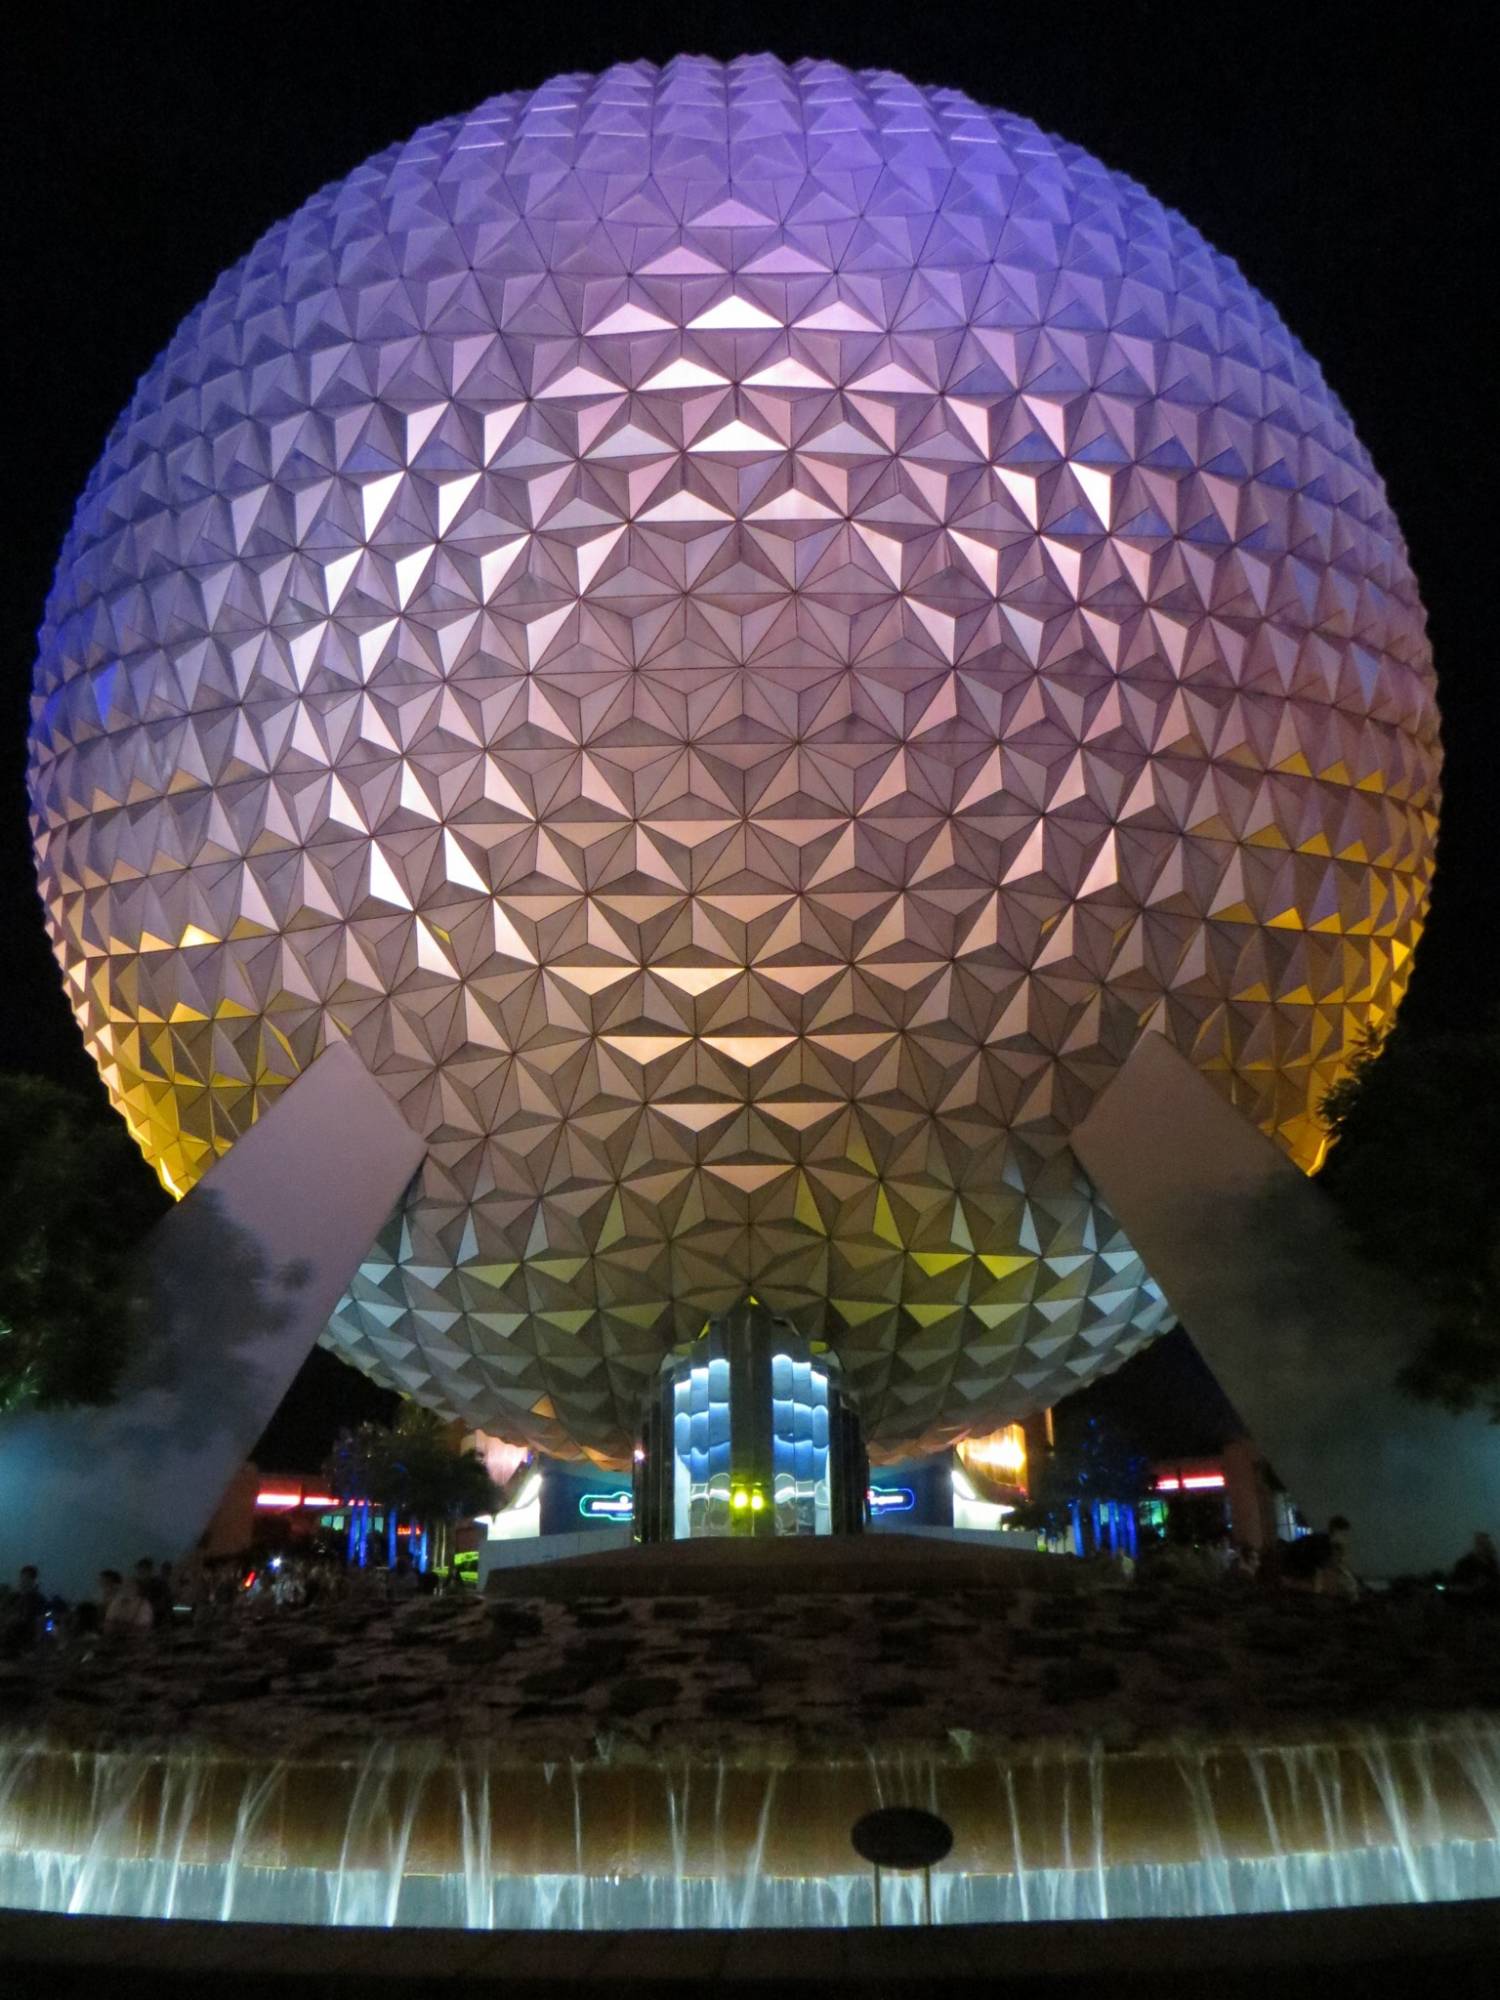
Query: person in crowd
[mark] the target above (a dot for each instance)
(128, 1614)
(23, 1615)
(1319, 1562)
(374, 1580)
(88, 1616)
(226, 1589)
(1273, 1560)
(1303, 1558)
(289, 1590)
(322, 1586)
(190, 1586)
(1475, 1577)
(1216, 1554)
(29, 1601)
(1244, 1567)
(155, 1591)
(1333, 1576)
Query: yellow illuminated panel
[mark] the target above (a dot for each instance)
(1001, 1455)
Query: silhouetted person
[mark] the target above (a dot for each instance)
(1244, 1567)
(289, 1590)
(24, 1617)
(88, 1615)
(154, 1590)
(1475, 1577)
(128, 1612)
(1320, 1561)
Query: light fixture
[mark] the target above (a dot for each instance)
(1003, 1452)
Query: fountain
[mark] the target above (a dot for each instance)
(412, 1834)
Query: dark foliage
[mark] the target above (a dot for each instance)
(1414, 1167)
(413, 1468)
(1091, 1460)
(76, 1204)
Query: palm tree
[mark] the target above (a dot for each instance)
(438, 1485)
(358, 1470)
(413, 1472)
(467, 1491)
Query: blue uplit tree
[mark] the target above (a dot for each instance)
(416, 1477)
(1086, 1488)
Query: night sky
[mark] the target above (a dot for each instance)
(1332, 154)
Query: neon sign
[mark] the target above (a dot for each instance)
(607, 1507)
(891, 1499)
(298, 1496)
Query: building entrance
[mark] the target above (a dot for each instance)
(749, 1433)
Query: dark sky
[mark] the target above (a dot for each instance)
(1331, 150)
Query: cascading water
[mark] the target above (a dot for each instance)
(415, 1835)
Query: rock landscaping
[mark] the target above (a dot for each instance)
(1071, 1654)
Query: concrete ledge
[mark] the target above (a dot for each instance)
(526, 1551)
(1231, 1956)
(788, 1565)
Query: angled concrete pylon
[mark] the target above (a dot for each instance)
(239, 1281)
(1306, 1340)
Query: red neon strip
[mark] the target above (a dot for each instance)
(1196, 1479)
(277, 1499)
(319, 1500)
(1168, 1485)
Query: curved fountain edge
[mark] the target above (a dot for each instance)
(760, 1748)
(762, 1808)
(1298, 1948)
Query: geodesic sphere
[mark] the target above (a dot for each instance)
(741, 632)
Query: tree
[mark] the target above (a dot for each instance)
(434, 1485)
(77, 1202)
(1414, 1168)
(1091, 1461)
(357, 1470)
(414, 1474)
